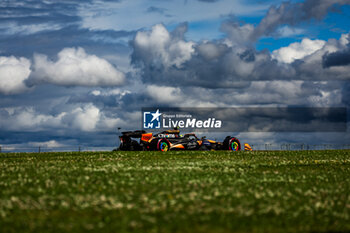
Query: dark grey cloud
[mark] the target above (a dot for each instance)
(340, 58)
(71, 141)
(318, 9)
(208, 64)
(28, 27)
(224, 64)
(36, 12)
(40, 118)
(345, 89)
(288, 13)
(51, 42)
(101, 101)
(293, 13)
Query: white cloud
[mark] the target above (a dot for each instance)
(344, 39)
(287, 31)
(109, 92)
(50, 144)
(90, 118)
(312, 65)
(85, 118)
(298, 50)
(158, 46)
(27, 29)
(75, 67)
(164, 94)
(13, 72)
(27, 119)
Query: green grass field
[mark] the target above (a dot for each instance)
(295, 191)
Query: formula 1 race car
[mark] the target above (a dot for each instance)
(173, 140)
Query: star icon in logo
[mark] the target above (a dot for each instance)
(156, 115)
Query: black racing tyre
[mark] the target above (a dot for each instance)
(232, 144)
(163, 145)
(160, 144)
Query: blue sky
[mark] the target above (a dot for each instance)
(71, 72)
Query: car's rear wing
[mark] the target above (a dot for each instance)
(133, 134)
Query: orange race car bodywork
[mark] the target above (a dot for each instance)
(173, 140)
